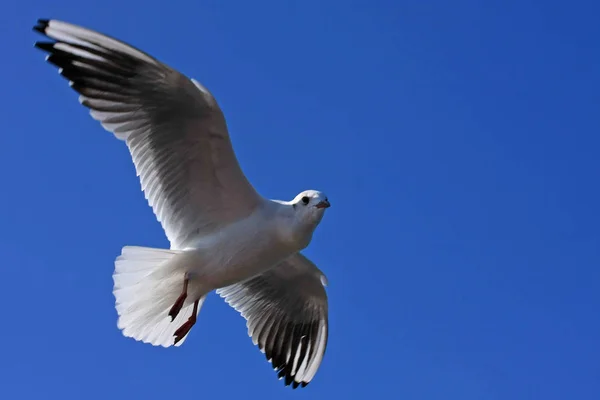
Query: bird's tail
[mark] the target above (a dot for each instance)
(147, 282)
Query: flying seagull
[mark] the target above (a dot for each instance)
(223, 234)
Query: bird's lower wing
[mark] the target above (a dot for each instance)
(287, 316)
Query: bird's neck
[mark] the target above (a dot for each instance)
(293, 230)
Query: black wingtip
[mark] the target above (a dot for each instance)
(288, 380)
(45, 46)
(41, 25)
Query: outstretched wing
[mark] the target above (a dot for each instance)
(287, 316)
(173, 127)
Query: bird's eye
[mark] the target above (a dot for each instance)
(305, 200)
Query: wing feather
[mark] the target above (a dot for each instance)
(287, 316)
(174, 129)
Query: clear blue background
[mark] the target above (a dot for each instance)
(457, 140)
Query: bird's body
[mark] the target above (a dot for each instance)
(224, 236)
(243, 249)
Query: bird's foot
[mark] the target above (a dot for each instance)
(184, 329)
(177, 306)
(187, 325)
(180, 300)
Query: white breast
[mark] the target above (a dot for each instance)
(239, 251)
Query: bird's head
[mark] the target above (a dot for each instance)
(308, 209)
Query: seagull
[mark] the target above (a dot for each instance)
(224, 236)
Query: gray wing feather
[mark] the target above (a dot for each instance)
(174, 129)
(287, 316)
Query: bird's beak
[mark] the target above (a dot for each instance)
(323, 204)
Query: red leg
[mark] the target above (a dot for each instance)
(180, 300)
(185, 328)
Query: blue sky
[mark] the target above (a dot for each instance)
(457, 142)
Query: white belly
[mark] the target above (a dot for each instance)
(234, 254)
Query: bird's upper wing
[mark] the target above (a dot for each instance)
(287, 316)
(173, 127)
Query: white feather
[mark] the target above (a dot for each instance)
(147, 282)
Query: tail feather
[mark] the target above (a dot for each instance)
(147, 282)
